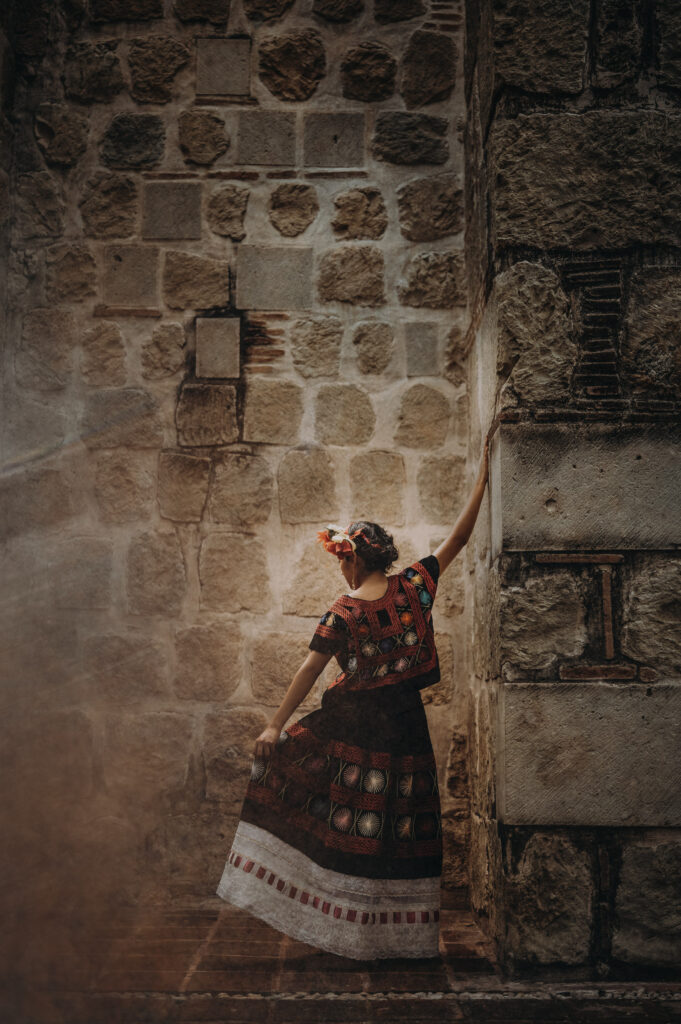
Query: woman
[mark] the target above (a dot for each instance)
(339, 843)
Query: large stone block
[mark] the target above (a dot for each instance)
(223, 67)
(378, 480)
(124, 485)
(360, 213)
(103, 355)
(316, 344)
(649, 349)
(133, 141)
(423, 349)
(428, 68)
(668, 19)
(61, 133)
(352, 274)
(273, 277)
(241, 491)
(153, 62)
(292, 64)
(165, 352)
(273, 410)
(195, 282)
(406, 138)
(368, 73)
(620, 34)
(208, 663)
(108, 205)
(601, 754)
(206, 414)
(171, 209)
(292, 207)
(40, 206)
(92, 72)
(440, 481)
(374, 342)
(145, 755)
(333, 140)
(307, 486)
(130, 275)
(344, 415)
(70, 273)
(313, 581)
(43, 360)
(218, 342)
(124, 668)
(226, 210)
(155, 574)
(182, 485)
(267, 137)
(648, 903)
(423, 418)
(541, 45)
(201, 135)
(651, 613)
(114, 417)
(435, 280)
(584, 486)
(233, 574)
(430, 208)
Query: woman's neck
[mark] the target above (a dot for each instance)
(372, 586)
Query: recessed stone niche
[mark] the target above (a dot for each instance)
(217, 346)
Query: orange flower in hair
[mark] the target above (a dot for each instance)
(336, 540)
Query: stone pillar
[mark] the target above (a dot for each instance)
(573, 251)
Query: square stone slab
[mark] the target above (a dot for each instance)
(274, 277)
(223, 67)
(266, 137)
(334, 140)
(217, 346)
(171, 209)
(130, 275)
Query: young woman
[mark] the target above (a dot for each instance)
(339, 843)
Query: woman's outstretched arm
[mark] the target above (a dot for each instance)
(301, 684)
(463, 527)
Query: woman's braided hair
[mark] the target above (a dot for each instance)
(374, 545)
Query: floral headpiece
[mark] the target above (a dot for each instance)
(340, 542)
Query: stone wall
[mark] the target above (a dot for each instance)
(573, 255)
(237, 299)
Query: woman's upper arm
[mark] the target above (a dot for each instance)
(448, 550)
(317, 661)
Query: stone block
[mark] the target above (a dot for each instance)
(333, 140)
(307, 487)
(267, 137)
(195, 282)
(316, 344)
(292, 207)
(133, 141)
(206, 414)
(360, 213)
(114, 417)
(600, 754)
(61, 133)
(233, 574)
(145, 755)
(344, 415)
(620, 36)
(226, 210)
(431, 207)
(314, 581)
(153, 63)
(155, 574)
(92, 72)
(368, 73)
(352, 274)
(648, 903)
(651, 606)
(275, 659)
(103, 355)
(378, 481)
(70, 273)
(208, 662)
(165, 352)
(402, 137)
(435, 280)
(182, 486)
(274, 277)
(171, 209)
(43, 360)
(201, 135)
(273, 410)
(217, 346)
(584, 486)
(81, 568)
(223, 66)
(428, 68)
(541, 46)
(649, 349)
(108, 205)
(292, 64)
(124, 485)
(124, 668)
(423, 418)
(440, 480)
(229, 738)
(668, 24)
(374, 343)
(130, 275)
(241, 491)
(423, 349)
(40, 206)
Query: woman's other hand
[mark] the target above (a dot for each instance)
(266, 741)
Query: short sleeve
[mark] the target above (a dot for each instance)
(428, 570)
(331, 634)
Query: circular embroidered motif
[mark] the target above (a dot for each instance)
(369, 824)
(374, 781)
(342, 819)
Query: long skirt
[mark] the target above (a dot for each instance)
(339, 842)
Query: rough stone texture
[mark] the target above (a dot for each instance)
(202, 136)
(194, 282)
(430, 208)
(44, 358)
(92, 72)
(61, 134)
(360, 213)
(206, 414)
(368, 73)
(650, 614)
(233, 574)
(307, 486)
(82, 569)
(108, 205)
(208, 663)
(171, 209)
(274, 277)
(344, 415)
(541, 46)
(316, 344)
(314, 581)
(226, 209)
(155, 574)
(266, 10)
(223, 66)
(423, 418)
(103, 355)
(40, 206)
(124, 668)
(600, 754)
(292, 65)
(70, 273)
(292, 207)
(353, 274)
(333, 140)
(549, 902)
(153, 63)
(441, 692)
(603, 161)
(182, 486)
(164, 354)
(275, 660)
(428, 69)
(229, 737)
(124, 485)
(648, 903)
(619, 38)
(267, 137)
(434, 280)
(130, 275)
(439, 479)
(375, 345)
(241, 491)
(125, 10)
(273, 410)
(217, 346)
(338, 10)
(216, 11)
(133, 140)
(536, 336)
(650, 347)
(121, 416)
(422, 349)
(669, 57)
(397, 10)
(406, 138)
(377, 481)
(34, 499)
(145, 756)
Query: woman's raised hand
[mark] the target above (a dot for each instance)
(483, 471)
(266, 741)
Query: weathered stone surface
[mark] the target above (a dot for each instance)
(406, 138)
(153, 62)
(44, 358)
(441, 692)
(92, 72)
(182, 486)
(39, 206)
(103, 355)
(267, 137)
(430, 207)
(422, 349)
(368, 73)
(650, 614)
(216, 11)
(70, 273)
(206, 414)
(604, 160)
(550, 902)
(333, 140)
(274, 277)
(124, 668)
(541, 47)
(668, 22)
(61, 133)
(164, 354)
(32, 499)
(241, 491)
(229, 739)
(375, 345)
(292, 65)
(208, 662)
(360, 213)
(428, 68)
(125, 10)
(423, 417)
(650, 349)
(307, 487)
(378, 480)
(619, 38)
(316, 344)
(218, 341)
(145, 755)
(30, 425)
(133, 140)
(82, 568)
(124, 485)
(273, 410)
(541, 623)
(648, 903)
(130, 275)
(537, 348)
(202, 136)
(223, 66)
(171, 209)
(353, 274)
(155, 574)
(315, 581)
(121, 416)
(344, 414)
(266, 10)
(439, 480)
(397, 10)
(275, 660)
(233, 574)
(292, 207)
(338, 10)
(435, 280)
(108, 205)
(226, 209)
(194, 282)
